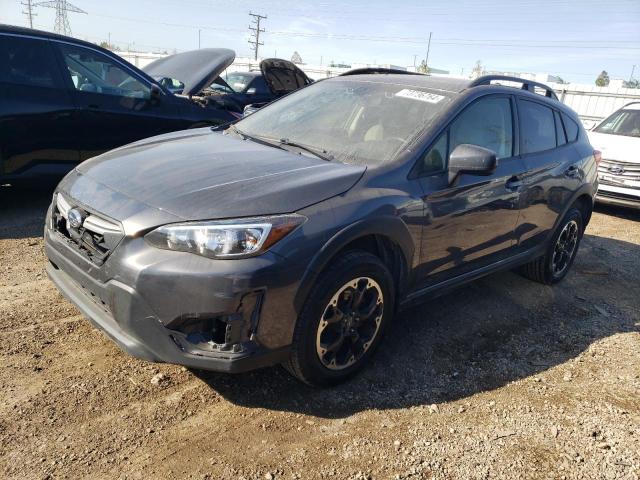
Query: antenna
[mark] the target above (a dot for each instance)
(28, 11)
(256, 33)
(62, 20)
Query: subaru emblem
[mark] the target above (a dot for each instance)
(75, 218)
(616, 169)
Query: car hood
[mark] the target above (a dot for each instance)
(282, 76)
(196, 69)
(616, 147)
(200, 175)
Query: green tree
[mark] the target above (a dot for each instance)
(633, 83)
(478, 70)
(603, 79)
(423, 67)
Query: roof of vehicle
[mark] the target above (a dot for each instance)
(41, 33)
(631, 106)
(452, 85)
(448, 84)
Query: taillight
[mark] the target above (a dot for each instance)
(597, 155)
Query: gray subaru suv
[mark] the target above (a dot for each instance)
(295, 235)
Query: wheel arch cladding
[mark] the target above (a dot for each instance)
(386, 237)
(584, 203)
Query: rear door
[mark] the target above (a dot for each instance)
(471, 223)
(38, 123)
(114, 101)
(553, 169)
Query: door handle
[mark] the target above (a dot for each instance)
(571, 172)
(513, 184)
(93, 106)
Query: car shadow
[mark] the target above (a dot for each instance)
(22, 211)
(485, 335)
(627, 213)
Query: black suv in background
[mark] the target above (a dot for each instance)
(63, 100)
(296, 234)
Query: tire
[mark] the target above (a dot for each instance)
(546, 269)
(322, 322)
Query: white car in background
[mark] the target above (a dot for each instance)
(618, 138)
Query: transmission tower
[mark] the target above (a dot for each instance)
(255, 38)
(62, 20)
(28, 11)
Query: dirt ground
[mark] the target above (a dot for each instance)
(503, 378)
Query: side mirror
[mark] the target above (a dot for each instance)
(251, 91)
(589, 124)
(471, 159)
(154, 94)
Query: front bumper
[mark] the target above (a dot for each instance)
(141, 293)
(618, 195)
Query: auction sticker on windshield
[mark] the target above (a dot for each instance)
(418, 95)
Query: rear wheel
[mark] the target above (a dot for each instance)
(342, 320)
(555, 264)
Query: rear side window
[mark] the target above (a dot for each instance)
(486, 123)
(27, 61)
(571, 128)
(561, 138)
(537, 127)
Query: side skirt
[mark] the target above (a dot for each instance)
(445, 286)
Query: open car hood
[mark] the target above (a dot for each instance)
(196, 69)
(283, 76)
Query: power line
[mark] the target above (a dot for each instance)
(256, 33)
(62, 7)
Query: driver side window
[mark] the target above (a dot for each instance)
(486, 123)
(93, 72)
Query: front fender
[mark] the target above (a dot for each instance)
(390, 227)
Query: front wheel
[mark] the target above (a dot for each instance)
(342, 320)
(555, 264)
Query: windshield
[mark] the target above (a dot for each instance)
(623, 122)
(171, 84)
(356, 122)
(238, 81)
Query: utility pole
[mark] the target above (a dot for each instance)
(633, 70)
(414, 61)
(426, 62)
(199, 32)
(28, 11)
(255, 39)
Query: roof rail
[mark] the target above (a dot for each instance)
(528, 85)
(378, 71)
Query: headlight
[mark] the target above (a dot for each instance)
(225, 238)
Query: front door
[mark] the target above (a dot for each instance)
(470, 222)
(38, 123)
(114, 103)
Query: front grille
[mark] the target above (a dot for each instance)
(91, 234)
(620, 171)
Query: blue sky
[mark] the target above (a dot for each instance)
(571, 38)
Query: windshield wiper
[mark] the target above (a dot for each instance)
(270, 142)
(321, 154)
